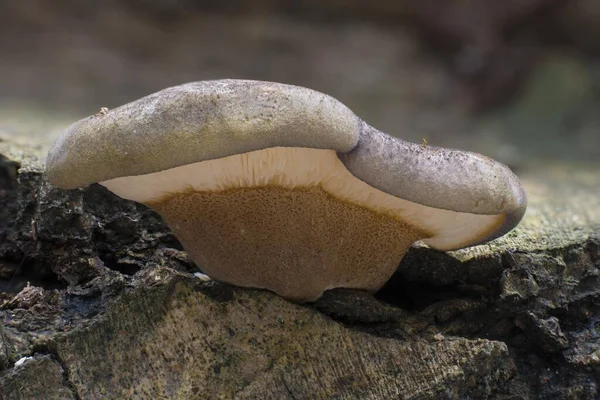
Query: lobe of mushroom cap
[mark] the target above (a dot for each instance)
(280, 187)
(195, 122)
(444, 179)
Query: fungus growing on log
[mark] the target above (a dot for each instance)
(280, 187)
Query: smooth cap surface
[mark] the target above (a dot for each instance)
(196, 122)
(437, 177)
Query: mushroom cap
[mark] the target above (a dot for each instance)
(437, 177)
(212, 120)
(195, 122)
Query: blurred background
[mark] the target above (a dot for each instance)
(518, 80)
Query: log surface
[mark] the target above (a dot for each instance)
(112, 309)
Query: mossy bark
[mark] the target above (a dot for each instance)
(112, 309)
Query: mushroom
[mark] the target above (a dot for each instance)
(279, 187)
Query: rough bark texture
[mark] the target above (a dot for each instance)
(112, 309)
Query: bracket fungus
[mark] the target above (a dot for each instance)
(280, 187)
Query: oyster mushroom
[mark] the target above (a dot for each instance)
(280, 187)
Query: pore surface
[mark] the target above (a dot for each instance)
(295, 242)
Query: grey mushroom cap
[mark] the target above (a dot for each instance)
(438, 177)
(196, 122)
(214, 119)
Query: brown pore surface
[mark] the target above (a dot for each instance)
(295, 242)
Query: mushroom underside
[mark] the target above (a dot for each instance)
(295, 242)
(294, 221)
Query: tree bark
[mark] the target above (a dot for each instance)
(100, 301)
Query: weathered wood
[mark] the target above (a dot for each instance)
(513, 318)
(175, 340)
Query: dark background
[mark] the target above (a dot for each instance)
(518, 80)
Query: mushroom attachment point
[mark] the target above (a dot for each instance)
(280, 187)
